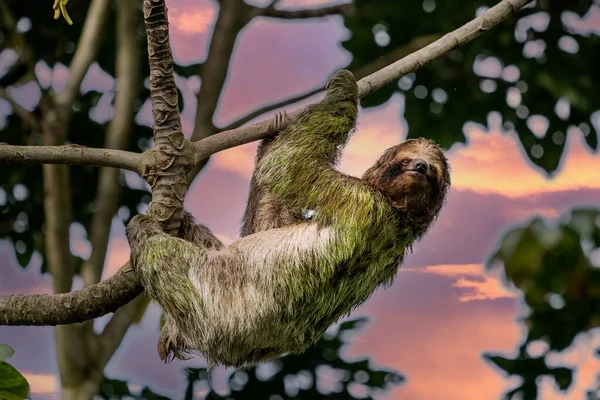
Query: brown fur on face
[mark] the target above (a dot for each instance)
(415, 177)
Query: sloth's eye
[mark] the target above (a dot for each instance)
(433, 169)
(406, 161)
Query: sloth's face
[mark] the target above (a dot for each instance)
(413, 175)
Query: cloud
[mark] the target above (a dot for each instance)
(117, 255)
(238, 159)
(193, 21)
(490, 163)
(475, 283)
(46, 384)
(436, 343)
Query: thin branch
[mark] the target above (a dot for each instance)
(367, 85)
(108, 296)
(70, 154)
(87, 49)
(117, 327)
(230, 21)
(9, 23)
(233, 15)
(270, 107)
(459, 37)
(343, 9)
(26, 115)
(396, 54)
(361, 72)
(109, 185)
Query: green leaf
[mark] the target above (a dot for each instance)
(6, 352)
(563, 377)
(352, 324)
(13, 385)
(504, 364)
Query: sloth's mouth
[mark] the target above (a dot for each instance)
(414, 172)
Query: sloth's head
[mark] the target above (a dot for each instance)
(415, 177)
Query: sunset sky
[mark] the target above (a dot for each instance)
(443, 311)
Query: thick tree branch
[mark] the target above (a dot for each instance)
(344, 9)
(76, 306)
(109, 185)
(367, 85)
(70, 154)
(116, 291)
(168, 179)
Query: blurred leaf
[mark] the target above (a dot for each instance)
(13, 385)
(521, 69)
(6, 352)
(325, 353)
(550, 263)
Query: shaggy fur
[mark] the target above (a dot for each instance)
(278, 288)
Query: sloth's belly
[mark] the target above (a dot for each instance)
(270, 340)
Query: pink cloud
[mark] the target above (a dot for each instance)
(43, 384)
(117, 255)
(489, 162)
(440, 350)
(474, 282)
(239, 160)
(193, 18)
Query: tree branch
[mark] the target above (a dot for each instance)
(367, 85)
(117, 327)
(359, 73)
(22, 112)
(168, 179)
(344, 9)
(214, 71)
(109, 185)
(233, 15)
(76, 306)
(70, 154)
(394, 55)
(270, 107)
(9, 23)
(108, 296)
(87, 48)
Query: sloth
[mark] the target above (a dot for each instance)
(290, 276)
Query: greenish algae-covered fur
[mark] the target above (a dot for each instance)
(278, 288)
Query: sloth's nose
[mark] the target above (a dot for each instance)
(421, 165)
